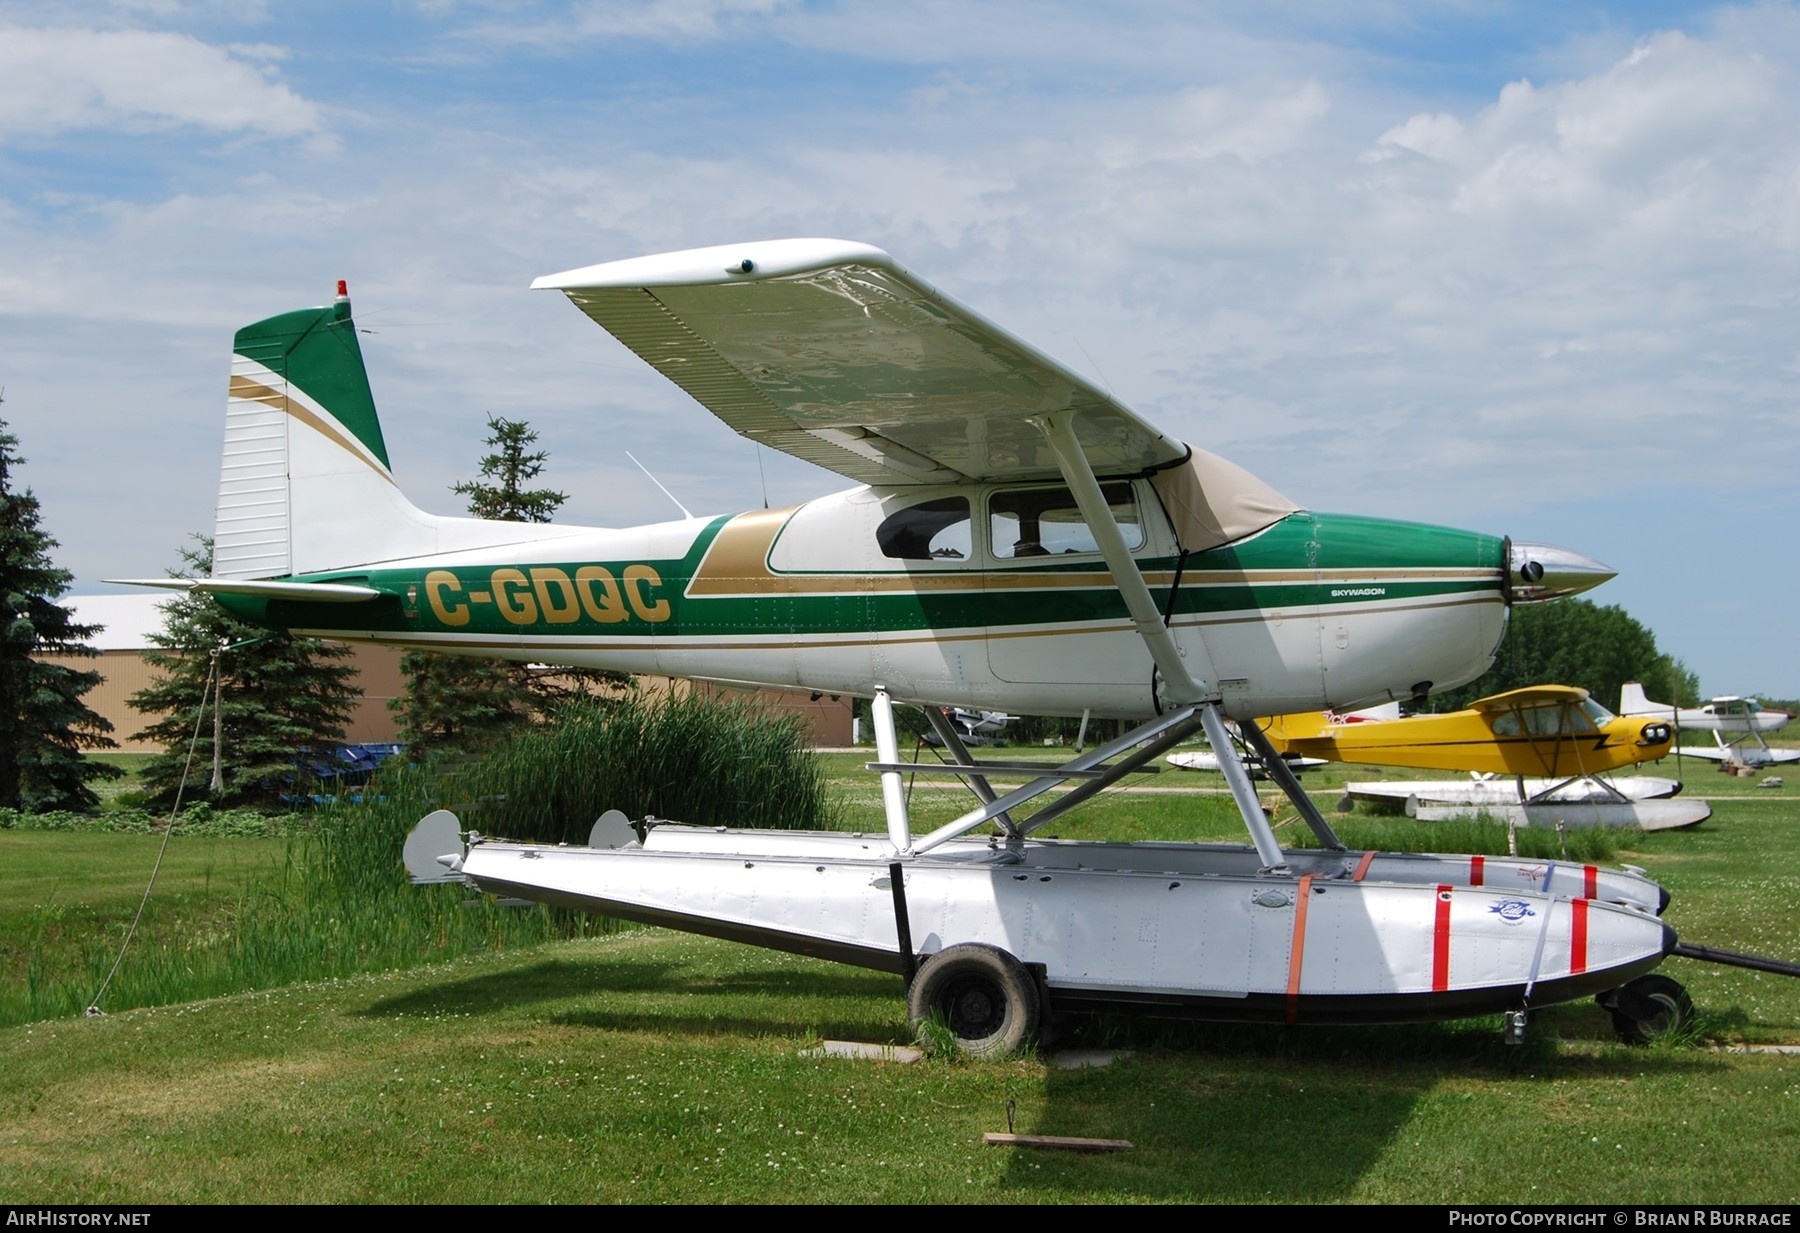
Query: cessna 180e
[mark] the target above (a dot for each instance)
(1739, 726)
(1018, 541)
(1554, 744)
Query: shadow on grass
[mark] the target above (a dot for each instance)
(545, 981)
(1216, 1112)
(1243, 1113)
(655, 994)
(1218, 1130)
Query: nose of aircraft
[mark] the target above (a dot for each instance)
(1544, 571)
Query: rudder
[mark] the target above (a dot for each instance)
(304, 484)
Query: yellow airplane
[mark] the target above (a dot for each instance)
(1547, 730)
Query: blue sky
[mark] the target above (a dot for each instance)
(1525, 268)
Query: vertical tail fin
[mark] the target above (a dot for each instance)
(1632, 701)
(305, 483)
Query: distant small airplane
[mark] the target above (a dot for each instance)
(974, 727)
(980, 723)
(1745, 719)
(1556, 735)
(1553, 730)
(1207, 760)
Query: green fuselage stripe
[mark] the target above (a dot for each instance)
(1369, 563)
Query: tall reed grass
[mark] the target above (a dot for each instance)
(340, 903)
(1481, 834)
(698, 759)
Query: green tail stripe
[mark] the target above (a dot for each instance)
(316, 350)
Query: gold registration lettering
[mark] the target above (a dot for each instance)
(512, 595)
(555, 596)
(638, 581)
(600, 597)
(437, 582)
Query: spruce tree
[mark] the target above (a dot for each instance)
(459, 704)
(278, 697)
(500, 493)
(44, 724)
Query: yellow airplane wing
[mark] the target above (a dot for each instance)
(1532, 695)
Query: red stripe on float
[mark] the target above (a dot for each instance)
(1477, 868)
(1297, 950)
(1440, 943)
(1590, 881)
(1578, 926)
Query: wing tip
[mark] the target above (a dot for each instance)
(720, 263)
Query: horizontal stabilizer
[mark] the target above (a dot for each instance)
(305, 592)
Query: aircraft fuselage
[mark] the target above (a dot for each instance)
(927, 592)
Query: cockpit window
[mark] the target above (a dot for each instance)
(1044, 522)
(1556, 719)
(1599, 714)
(930, 531)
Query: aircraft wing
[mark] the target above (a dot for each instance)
(1533, 695)
(1750, 755)
(836, 353)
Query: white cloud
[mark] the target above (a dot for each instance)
(1394, 301)
(54, 80)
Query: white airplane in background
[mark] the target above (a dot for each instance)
(975, 727)
(1017, 541)
(1739, 726)
(980, 723)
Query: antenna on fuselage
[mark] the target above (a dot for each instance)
(659, 484)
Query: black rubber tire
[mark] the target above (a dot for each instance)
(1648, 1008)
(982, 994)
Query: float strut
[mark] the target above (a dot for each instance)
(893, 793)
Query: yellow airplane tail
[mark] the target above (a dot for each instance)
(1284, 730)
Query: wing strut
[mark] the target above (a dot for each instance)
(1179, 684)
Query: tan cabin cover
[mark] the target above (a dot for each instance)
(1212, 502)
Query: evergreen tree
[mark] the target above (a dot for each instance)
(44, 724)
(455, 703)
(500, 493)
(278, 696)
(1576, 642)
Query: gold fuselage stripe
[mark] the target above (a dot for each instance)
(736, 565)
(255, 391)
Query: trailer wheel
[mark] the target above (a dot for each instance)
(1647, 1009)
(982, 994)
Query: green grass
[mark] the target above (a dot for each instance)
(648, 1066)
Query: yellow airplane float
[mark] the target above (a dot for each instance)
(1551, 743)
